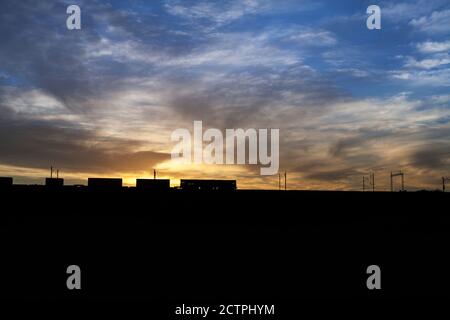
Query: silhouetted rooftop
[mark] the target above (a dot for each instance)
(6, 181)
(105, 182)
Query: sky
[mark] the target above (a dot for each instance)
(103, 101)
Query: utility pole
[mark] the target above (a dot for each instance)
(370, 180)
(285, 181)
(444, 180)
(373, 181)
(392, 186)
(51, 172)
(154, 174)
(403, 182)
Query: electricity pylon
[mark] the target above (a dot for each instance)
(401, 174)
(371, 180)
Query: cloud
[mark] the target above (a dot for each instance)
(314, 38)
(211, 15)
(356, 137)
(39, 144)
(217, 12)
(433, 46)
(441, 99)
(254, 97)
(437, 22)
(428, 63)
(237, 49)
(433, 157)
(334, 175)
(429, 78)
(405, 11)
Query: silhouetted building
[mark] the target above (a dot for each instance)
(104, 183)
(208, 184)
(6, 182)
(54, 182)
(153, 184)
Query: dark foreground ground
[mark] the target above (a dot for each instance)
(243, 247)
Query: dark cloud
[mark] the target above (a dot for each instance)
(433, 157)
(334, 175)
(39, 51)
(39, 144)
(358, 139)
(251, 97)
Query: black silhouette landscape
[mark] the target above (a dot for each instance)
(166, 244)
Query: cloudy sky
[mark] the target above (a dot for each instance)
(103, 100)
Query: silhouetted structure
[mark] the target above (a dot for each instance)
(153, 184)
(116, 228)
(51, 173)
(104, 183)
(401, 174)
(364, 183)
(222, 185)
(285, 181)
(6, 182)
(54, 182)
(371, 181)
(444, 180)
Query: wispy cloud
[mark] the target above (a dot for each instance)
(437, 22)
(433, 46)
(436, 61)
(217, 12)
(105, 100)
(407, 10)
